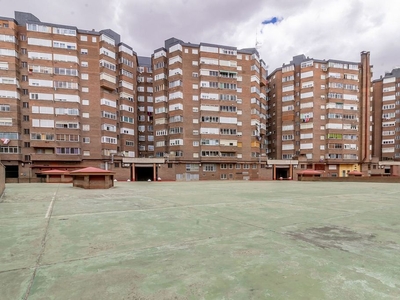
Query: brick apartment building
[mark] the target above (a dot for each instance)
(145, 108)
(319, 115)
(72, 98)
(386, 114)
(67, 97)
(209, 111)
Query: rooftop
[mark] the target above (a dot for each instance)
(213, 240)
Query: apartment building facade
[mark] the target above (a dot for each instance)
(209, 111)
(386, 114)
(71, 98)
(67, 97)
(319, 115)
(145, 108)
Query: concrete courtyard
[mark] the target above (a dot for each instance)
(201, 240)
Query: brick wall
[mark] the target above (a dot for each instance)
(382, 179)
(2, 179)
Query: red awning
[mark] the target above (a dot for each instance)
(310, 172)
(91, 170)
(58, 172)
(355, 172)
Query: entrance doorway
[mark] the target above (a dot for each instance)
(11, 171)
(282, 172)
(144, 173)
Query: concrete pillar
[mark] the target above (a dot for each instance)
(86, 181)
(154, 172)
(133, 172)
(109, 181)
(273, 172)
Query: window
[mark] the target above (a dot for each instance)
(64, 31)
(12, 150)
(5, 107)
(67, 125)
(67, 150)
(64, 71)
(108, 140)
(209, 167)
(64, 45)
(65, 85)
(192, 167)
(42, 136)
(67, 58)
(85, 76)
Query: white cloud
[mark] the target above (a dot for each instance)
(337, 29)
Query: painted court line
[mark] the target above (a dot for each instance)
(50, 206)
(150, 209)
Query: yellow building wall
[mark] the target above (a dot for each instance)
(345, 168)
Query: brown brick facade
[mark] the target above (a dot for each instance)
(72, 98)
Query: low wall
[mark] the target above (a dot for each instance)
(59, 179)
(93, 181)
(381, 179)
(2, 179)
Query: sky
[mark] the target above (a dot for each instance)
(281, 29)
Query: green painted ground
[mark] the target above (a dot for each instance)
(201, 240)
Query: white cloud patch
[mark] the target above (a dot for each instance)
(337, 29)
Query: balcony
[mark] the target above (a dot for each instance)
(55, 157)
(223, 159)
(42, 144)
(11, 156)
(107, 85)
